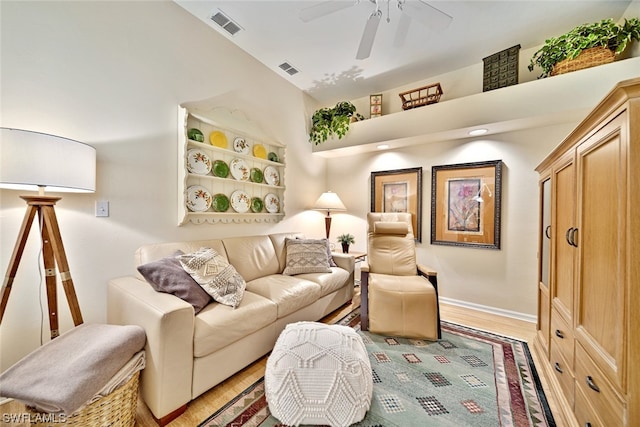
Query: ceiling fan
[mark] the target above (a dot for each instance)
(422, 12)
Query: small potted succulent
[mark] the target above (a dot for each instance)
(327, 122)
(345, 240)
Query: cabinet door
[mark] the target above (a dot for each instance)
(563, 224)
(544, 276)
(602, 241)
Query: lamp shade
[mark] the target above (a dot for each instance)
(329, 201)
(32, 160)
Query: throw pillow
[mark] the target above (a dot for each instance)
(216, 276)
(332, 263)
(167, 275)
(306, 256)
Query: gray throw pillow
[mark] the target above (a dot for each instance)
(167, 275)
(216, 276)
(306, 256)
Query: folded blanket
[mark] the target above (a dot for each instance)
(68, 371)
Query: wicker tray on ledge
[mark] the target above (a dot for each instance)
(421, 96)
(587, 58)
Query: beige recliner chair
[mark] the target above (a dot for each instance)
(399, 296)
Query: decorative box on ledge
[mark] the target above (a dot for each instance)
(425, 95)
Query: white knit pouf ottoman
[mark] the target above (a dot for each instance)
(318, 374)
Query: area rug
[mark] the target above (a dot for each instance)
(467, 378)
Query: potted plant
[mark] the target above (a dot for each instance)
(602, 35)
(327, 122)
(345, 240)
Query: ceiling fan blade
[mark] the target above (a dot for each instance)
(402, 31)
(426, 14)
(369, 35)
(321, 9)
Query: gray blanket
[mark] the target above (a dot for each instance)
(68, 371)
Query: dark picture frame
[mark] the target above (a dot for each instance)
(399, 190)
(466, 204)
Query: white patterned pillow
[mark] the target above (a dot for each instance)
(216, 276)
(306, 256)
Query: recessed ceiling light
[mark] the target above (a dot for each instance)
(476, 132)
(383, 146)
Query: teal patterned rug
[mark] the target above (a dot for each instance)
(467, 378)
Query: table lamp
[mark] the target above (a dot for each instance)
(37, 161)
(329, 201)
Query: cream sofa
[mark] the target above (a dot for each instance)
(188, 354)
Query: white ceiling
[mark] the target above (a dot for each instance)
(324, 49)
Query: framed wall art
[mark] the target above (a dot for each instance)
(465, 204)
(399, 190)
(375, 105)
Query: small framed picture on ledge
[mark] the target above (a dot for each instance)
(375, 105)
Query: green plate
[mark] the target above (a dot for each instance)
(195, 134)
(273, 157)
(220, 169)
(220, 203)
(256, 204)
(256, 175)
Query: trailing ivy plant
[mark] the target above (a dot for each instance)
(335, 121)
(605, 33)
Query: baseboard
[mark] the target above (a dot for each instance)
(493, 310)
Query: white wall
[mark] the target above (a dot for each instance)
(112, 74)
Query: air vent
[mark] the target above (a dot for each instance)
(288, 68)
(226, 23)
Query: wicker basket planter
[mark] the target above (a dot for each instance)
(588, 58)
(117, 409)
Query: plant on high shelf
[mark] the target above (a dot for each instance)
(327, 122)
(605, 34)
(345, 240)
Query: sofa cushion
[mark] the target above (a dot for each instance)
(278, 240)
(252, 256)
(216, 276)
(219, 325)
(329, 282)
(306, 256)
(289, 293)
(167, 275)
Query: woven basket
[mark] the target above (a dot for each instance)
(117, 409)
(587, 58)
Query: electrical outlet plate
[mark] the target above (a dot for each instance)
(102, 208)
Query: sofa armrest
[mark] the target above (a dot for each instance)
(169, 325)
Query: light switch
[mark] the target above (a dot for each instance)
(102, 208)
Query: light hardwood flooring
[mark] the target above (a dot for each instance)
(210, 401)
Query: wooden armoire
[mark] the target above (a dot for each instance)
(589, 266)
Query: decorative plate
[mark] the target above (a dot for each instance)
(273, 157)
(256, 175)
(195, 134)
(218, 139)
(240, 145)
(260, 151)
(220, 169)
(198, 198)
(271, 175)
(220, 203)
(272, 203)
(240, 201)
(256, 205)
(239, 169)
(198, 162)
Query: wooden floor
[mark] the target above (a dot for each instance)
(209, 402)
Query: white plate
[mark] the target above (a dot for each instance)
(240, 201)
(198, 162)
(272, 203)
(240, 145)
(239, 169)
(198, 198)
(271, 175)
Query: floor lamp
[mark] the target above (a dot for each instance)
(35, 161)
(329, 201)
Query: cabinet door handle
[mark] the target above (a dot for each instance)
(557, 367)
(587, 424)
(547, 232)
(567, 236)
(572, 236)
(592, 385)
(559, 333)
